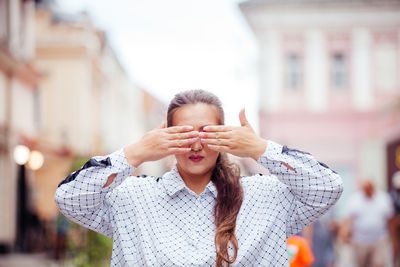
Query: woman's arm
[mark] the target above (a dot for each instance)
(81, 196)
(85, 196)
(314, 185)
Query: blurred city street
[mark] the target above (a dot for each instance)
(24, 260)
(41, 260)
(80, 78)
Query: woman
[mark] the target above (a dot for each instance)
(201, 213)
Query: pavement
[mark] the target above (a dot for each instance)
(25, 260)
(40, 260)
(344, 259)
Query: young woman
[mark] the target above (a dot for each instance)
(201, 213)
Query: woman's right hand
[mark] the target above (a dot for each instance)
(161, 142)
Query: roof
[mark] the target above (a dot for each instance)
(316, 1)
(252, 3)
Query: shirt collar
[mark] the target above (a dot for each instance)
(174, 183)
(211, 188)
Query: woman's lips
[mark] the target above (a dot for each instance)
(196, 158)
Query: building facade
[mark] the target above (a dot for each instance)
(329, 78)
(18, 106)
(64, 94)
(89, 105)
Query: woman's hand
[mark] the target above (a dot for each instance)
(240, 141)
(161, 142)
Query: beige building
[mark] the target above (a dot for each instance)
(18, 104)
(64, 93)
(89, 106)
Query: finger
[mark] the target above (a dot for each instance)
(184, 135)
(216, 135)
(179, 129)
(179, 150)
(219, 148)
(182, 142)
(242, 118)
(218, 142)
(218, 128)
(161, 126)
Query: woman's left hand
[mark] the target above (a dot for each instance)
(241, 141)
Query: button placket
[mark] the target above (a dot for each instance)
(198, 218)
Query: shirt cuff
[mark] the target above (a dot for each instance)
(120, 166)
(120, 163)
(272, 152)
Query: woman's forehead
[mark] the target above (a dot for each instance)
(196, 115)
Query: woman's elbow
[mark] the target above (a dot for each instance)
(336, 186)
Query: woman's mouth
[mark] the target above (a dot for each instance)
(196, 158)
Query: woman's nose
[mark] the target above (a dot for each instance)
(197, 146)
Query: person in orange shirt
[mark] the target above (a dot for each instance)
(300, 254)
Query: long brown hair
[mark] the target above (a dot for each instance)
(225, 176)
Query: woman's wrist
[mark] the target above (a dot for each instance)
(132, 155)
(260, 148)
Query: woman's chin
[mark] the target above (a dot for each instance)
(195, 170)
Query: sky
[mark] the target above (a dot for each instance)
(170, 46)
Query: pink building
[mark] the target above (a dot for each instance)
(329, 81)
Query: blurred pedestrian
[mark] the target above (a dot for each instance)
(366, 226)
(321, 237)
(300, 254)
(395, 222)
(201, 213)
(62, 226)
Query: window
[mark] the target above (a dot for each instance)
(36, 109)
(3, 21)
(385, 60)
(385, 68)
(339, 71)
(293, 73)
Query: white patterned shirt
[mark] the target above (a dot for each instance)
(161, 222)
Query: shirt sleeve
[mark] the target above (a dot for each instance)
(353, 205)
(82, 198)
(314, 186)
